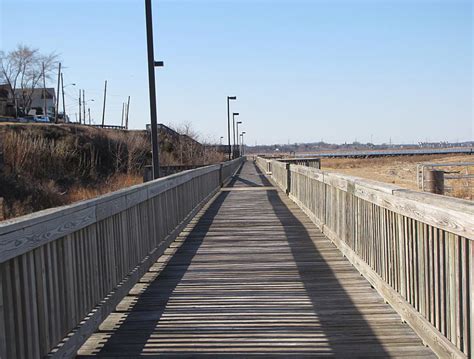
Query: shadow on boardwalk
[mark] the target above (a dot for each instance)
(173, 274)
(265, 282)
(347, 332)
(141, 322)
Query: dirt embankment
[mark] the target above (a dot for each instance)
(50, 165)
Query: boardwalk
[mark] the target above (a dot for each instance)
(251, 275)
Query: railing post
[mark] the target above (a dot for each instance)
(221, 176)
(288, 178)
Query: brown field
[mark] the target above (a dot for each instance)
(401, 170)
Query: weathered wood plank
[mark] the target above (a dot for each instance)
(428, 233)
(252, 275)
(60, 265)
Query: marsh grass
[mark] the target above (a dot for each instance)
(47, 166)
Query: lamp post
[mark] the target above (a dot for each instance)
(155, 148)
(238, 140)
(236, 134)
(228, 122)
(88, 110)
(242, 142)
(64, 100)
(221, 140)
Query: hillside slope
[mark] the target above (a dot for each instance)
(50, 165)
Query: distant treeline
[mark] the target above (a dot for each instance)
(323, 146)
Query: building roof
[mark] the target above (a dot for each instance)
(38, 92)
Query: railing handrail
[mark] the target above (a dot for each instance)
(410, 203)
(63, 269)
(27, 220)
(21, 234)
(415, 248)
(9, 224)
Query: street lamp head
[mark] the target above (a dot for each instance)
(239, 122)
(235, 114)
(243, 133)
(232, 97)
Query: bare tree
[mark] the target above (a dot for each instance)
(22, 69)
(188, 145)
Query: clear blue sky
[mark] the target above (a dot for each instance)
(302, 70)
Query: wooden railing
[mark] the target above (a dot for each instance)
(279, 173)
(63, 270)
(303, 161)
(416, 249)
(264, 164)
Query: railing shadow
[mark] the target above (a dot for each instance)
(260, 179)
(347, 332)
(150, 305)
(235, 177)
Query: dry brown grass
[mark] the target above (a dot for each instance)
(113, 183)
(399, 170)
(52, 165)
(48, 166)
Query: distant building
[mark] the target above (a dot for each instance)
(7, 107)
(28, 99)
(39, 98)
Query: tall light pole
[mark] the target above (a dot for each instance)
(155, 148)
(236, 139)
(103, 107)
(80, 108)
(56, 110)
(228, 122)
(88, 110)
(64, 103)
(242, 142)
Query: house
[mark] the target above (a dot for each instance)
(26, 99)
(7, 107)
(37, 99)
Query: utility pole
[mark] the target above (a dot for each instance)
(236, 135)
(89, 112)
(128, 109)
(84, 105)
(123, 107)
(228, 123)
(64, 102)
(57, 96)
(103, 109)
(152, 90)
(80, 110)
(45, 110)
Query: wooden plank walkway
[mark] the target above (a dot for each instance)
(251, 275)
